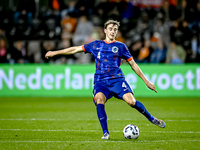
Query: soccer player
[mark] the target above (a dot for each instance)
(109, 80)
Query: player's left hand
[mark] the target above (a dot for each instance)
(151, 86)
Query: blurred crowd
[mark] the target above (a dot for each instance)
(156, 31)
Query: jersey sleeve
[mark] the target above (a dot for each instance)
(87, 48)
(126, 54)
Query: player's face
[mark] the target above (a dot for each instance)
(111, 31)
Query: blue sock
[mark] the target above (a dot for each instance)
(102, 117)
(140, 107)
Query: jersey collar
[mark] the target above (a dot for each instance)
(108, 42)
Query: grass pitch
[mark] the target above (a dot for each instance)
(71, 123)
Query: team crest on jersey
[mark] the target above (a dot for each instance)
(114, 49)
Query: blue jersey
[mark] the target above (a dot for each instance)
(108, 58)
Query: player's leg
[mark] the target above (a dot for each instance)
(100, 99)
(130, 100)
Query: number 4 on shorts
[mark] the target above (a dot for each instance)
(123, 85)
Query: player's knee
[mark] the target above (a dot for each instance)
(131, 102)
(100, 98)
(100, 101)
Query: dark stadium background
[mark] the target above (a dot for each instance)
(30, 28)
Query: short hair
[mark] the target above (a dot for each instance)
(111, 22)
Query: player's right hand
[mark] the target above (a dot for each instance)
(49, 54)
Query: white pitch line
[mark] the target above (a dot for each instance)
(108, 141)
(49, 130)
(45, 119)
(67, 130)
(183, 120)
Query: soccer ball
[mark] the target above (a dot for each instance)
(131, 131)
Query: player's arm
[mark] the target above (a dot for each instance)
(139, 72)
(67, 51)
